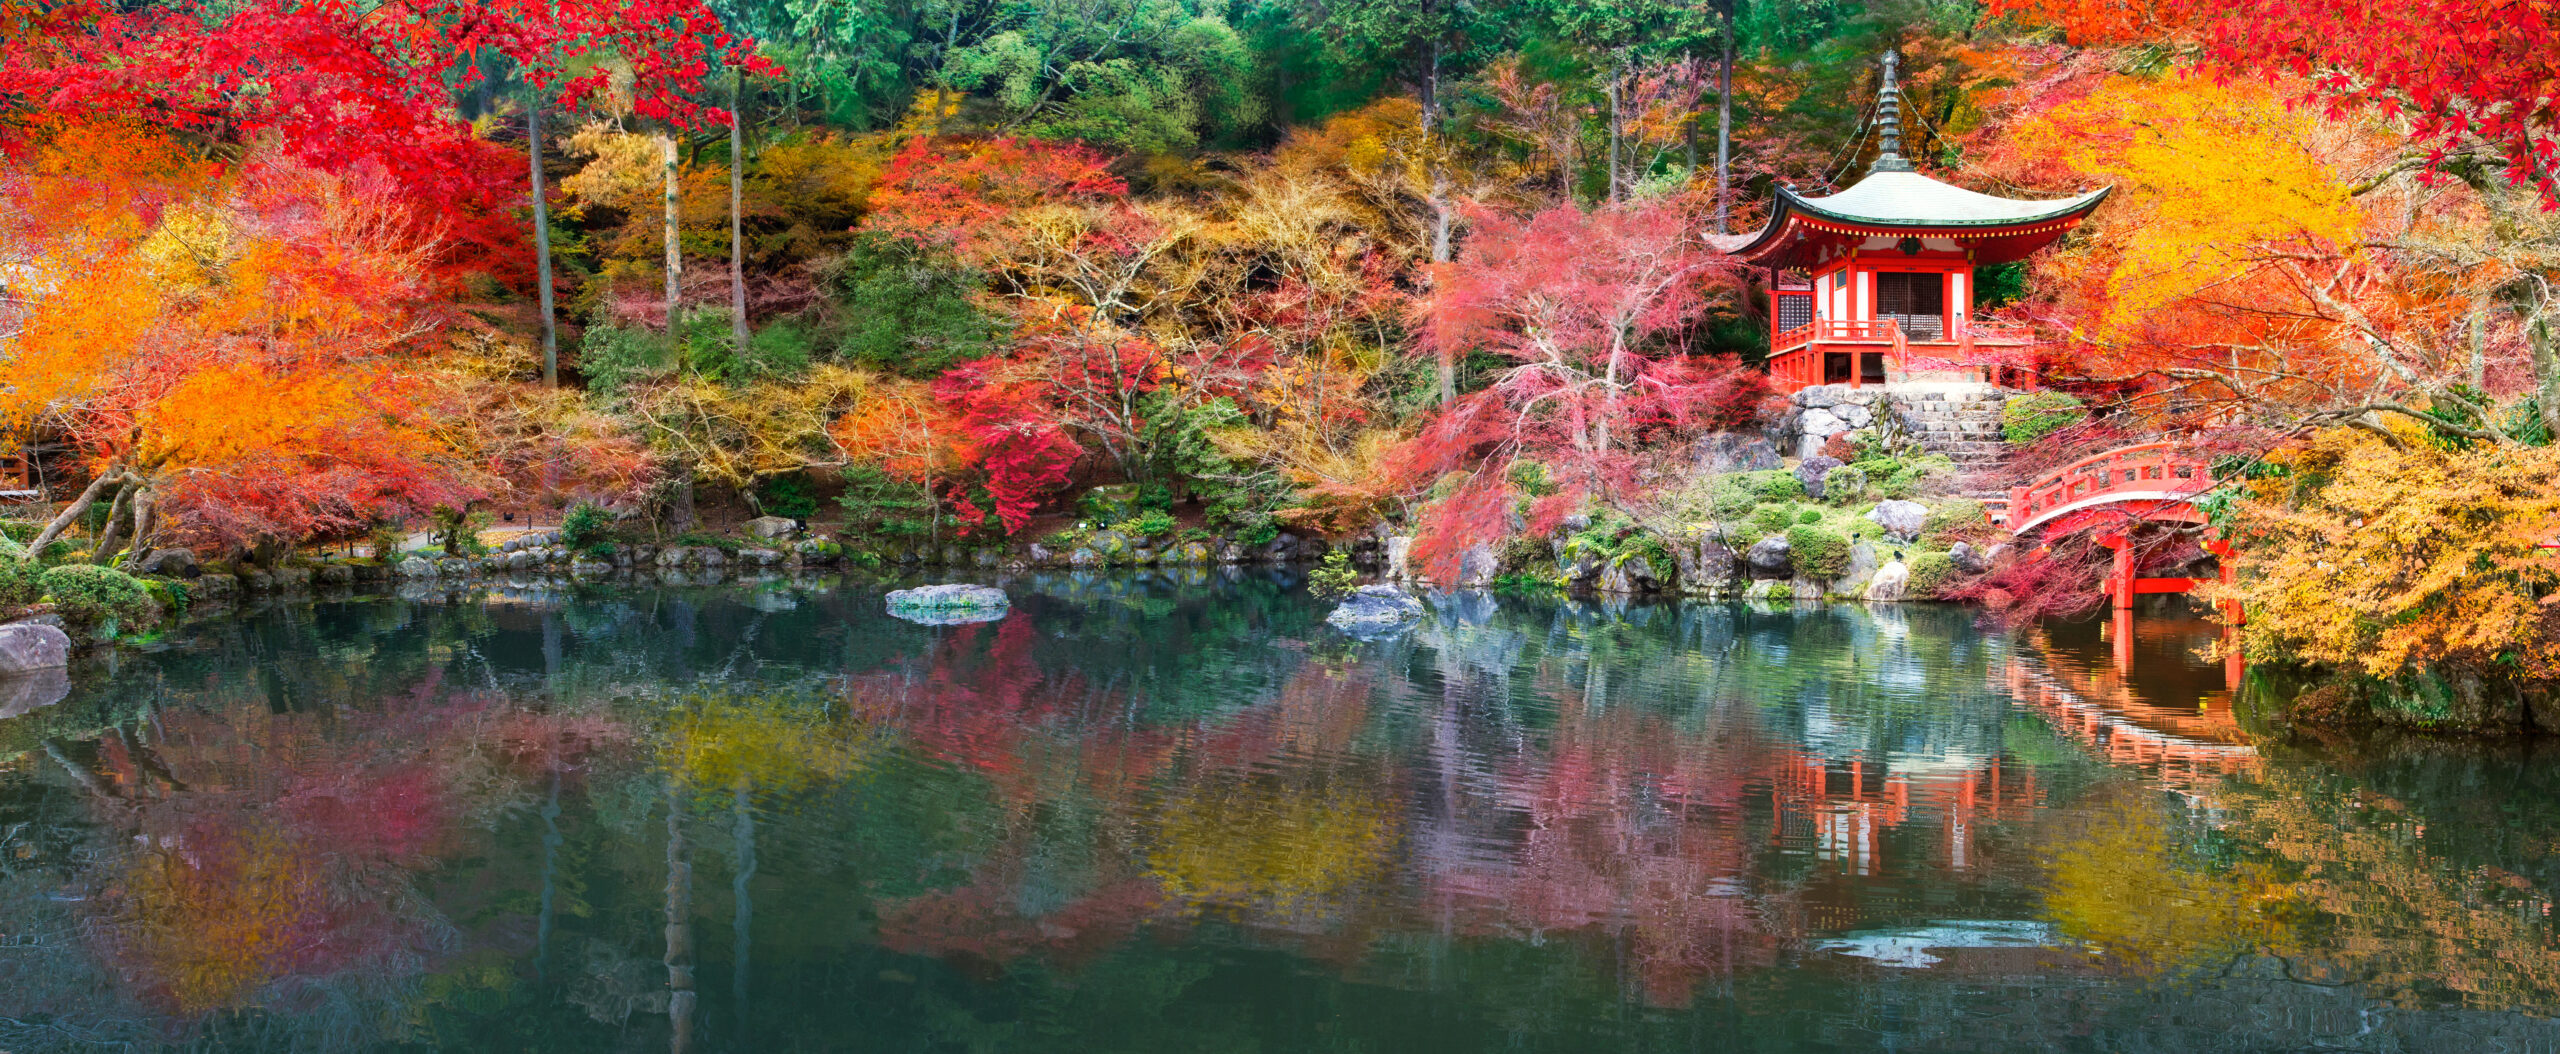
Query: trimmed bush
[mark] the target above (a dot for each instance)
(21, 583)
(1931, 573)
(2028, 418)
(584, 525)
(1818, 553)
(1770, 519)
(88, 595)
(1809, 516)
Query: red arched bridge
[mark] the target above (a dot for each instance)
(2115, 491)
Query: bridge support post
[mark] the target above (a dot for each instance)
(2227, 563)
(2120, 580)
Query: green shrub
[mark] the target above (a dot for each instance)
(585, 525)
(1953, 520)
(1931, 574)
(1110, 504)
(89, 596)
(1153, 523)
(1067, 537)
(600, 552)
(1735, 493)
(911, 311)
(1771, 519)
(21, 583)
(613, 358)
(2028, 418)
(1809, 516)
(787, 496)
(879, 505)
(1818, 553)
(1333, 579)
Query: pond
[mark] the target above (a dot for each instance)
(1142, 814)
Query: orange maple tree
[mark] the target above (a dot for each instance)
(223, 345)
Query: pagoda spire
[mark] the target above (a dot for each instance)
(1889, 121)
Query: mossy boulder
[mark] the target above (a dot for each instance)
(1818, 553)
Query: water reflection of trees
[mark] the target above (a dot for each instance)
(423, 823)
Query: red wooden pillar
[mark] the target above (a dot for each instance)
(2227, 561)
(2124, 637)
(2120, 580)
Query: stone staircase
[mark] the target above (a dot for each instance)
(1961, 421)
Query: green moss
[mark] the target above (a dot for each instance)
(2028, 418)
(1844, 485)
(1818, 552)
(1809, 516)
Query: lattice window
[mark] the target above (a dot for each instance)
(1917, 300)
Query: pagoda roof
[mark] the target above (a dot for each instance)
(1905, 202)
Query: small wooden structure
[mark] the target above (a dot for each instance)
(1876, 283)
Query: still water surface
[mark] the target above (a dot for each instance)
(1149, 815)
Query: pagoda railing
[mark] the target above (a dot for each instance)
(1796, 355)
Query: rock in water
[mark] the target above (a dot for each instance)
(29, 646)
(1889, 582)
(1371, 610)
(26, 693)
(949, 605)
(1901, 520)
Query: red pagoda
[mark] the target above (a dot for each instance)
(1874, 284)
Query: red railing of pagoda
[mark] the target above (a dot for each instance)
(2148, 471)
(1796, 355)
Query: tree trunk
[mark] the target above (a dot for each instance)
(142, 518)
(737, 240)
(111, 535)
(675, 237)
(1617, 81)
(71, 512)
(1442, 217)
(741, 922)
(1724, 128)
(680, 992)
(541, 237)
(2546, 366)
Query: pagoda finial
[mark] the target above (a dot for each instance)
(1889, 120)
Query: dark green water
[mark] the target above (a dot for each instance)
(1142, 815)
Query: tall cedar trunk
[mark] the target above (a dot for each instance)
(541, 237)
(1617, 122)
(680, 991)
(737, 240)
(1442, 216)
(675, 237)
(1724, 128)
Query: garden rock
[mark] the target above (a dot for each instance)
(1770, 558)
(1371, 610)
(1890, 582)
(334, 575)
(1862, 570)
(1967, 559)
(1723, 452)
(1901, 520)
(27, 646)
(1810, 472)
(1716, 567)
(949, 605)
(169, 563)
(1399, 549)
(772, 527)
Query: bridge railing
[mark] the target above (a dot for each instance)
(2150, 468)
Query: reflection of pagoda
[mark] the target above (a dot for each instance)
(1874, 284)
